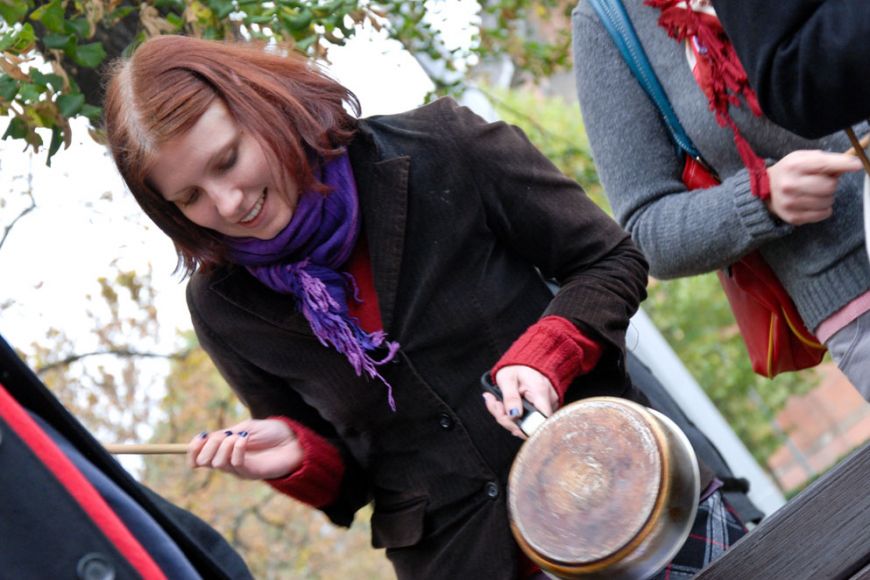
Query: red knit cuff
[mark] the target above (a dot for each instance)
(556, 348)
(318, 479)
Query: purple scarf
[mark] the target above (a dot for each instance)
(302, 261)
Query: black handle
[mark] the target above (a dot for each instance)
(490, 387)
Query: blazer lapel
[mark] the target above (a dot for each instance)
(383, 194)
(240, 288)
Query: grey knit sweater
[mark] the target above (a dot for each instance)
(823, 266)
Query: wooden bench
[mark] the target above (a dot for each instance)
(823, 533)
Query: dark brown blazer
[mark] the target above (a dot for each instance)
(465, 221)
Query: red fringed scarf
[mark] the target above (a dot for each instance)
(719, 74)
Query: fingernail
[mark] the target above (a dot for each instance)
(203, 435)
(228, 432)
(243, 433)
(514, 412)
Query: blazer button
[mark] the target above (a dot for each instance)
(492, 490)
(446, 421)
(95, 567)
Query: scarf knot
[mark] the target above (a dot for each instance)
(302, 261)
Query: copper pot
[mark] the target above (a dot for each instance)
(605, 488)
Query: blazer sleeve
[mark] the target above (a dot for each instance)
(547, 219)
(806, 59)
(267, 395)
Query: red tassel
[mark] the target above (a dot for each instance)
(725, 82)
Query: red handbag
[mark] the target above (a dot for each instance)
(775, 335)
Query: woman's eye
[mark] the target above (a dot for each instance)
(189, 198)
(229, 161)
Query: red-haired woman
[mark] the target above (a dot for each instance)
(353, 278)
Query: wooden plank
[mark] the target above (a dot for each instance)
(823, 532)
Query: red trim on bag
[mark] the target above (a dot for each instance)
(78, 487)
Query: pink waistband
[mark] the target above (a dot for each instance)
(842, 317)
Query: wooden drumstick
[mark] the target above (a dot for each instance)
(865, 140)
(147, 449)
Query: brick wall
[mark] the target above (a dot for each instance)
(821, 427)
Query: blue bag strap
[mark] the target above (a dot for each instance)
(615, 20)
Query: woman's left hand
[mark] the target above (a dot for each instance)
(519, 382)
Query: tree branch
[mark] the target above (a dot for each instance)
(119, 352)
(23, 213)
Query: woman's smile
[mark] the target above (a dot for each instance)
(255, 211)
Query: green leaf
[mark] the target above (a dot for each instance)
(259, 19)
(176, 5)
(56, 142)
(8, 88)
(89, 55)
(80, 27)
(38, 78)
(294, 20)
(221, 8)
(29, 92)
(92, 113)
(60, 41)
(175, 20)
(56, 81)
(69, 105)
(14, 11)
(18, 41)
(50, 15)
(17, 129)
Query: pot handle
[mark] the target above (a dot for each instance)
(531, 418)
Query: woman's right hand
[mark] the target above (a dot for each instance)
(802, 185)
(252, 449)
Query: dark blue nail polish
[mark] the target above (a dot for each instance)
(228, 432)
(514, 412)
(243, 433)
(203, 435)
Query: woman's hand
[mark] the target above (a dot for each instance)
(516, 382)
(252, 449)
(802, 185)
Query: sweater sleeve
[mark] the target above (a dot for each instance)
(681, 232)
(806, 60)
(318, 479)
(555, 348)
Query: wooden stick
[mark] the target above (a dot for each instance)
(147, 449)
(863, 143)
(859, 149)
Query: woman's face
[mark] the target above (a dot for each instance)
(219, 177)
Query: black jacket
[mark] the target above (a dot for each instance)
(457, 214)
(50, 527)
(808, 60)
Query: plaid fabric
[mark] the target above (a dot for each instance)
(716, 528)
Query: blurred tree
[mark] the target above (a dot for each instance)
(106, 379)
(52, 53)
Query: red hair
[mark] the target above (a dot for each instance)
(292, 108)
